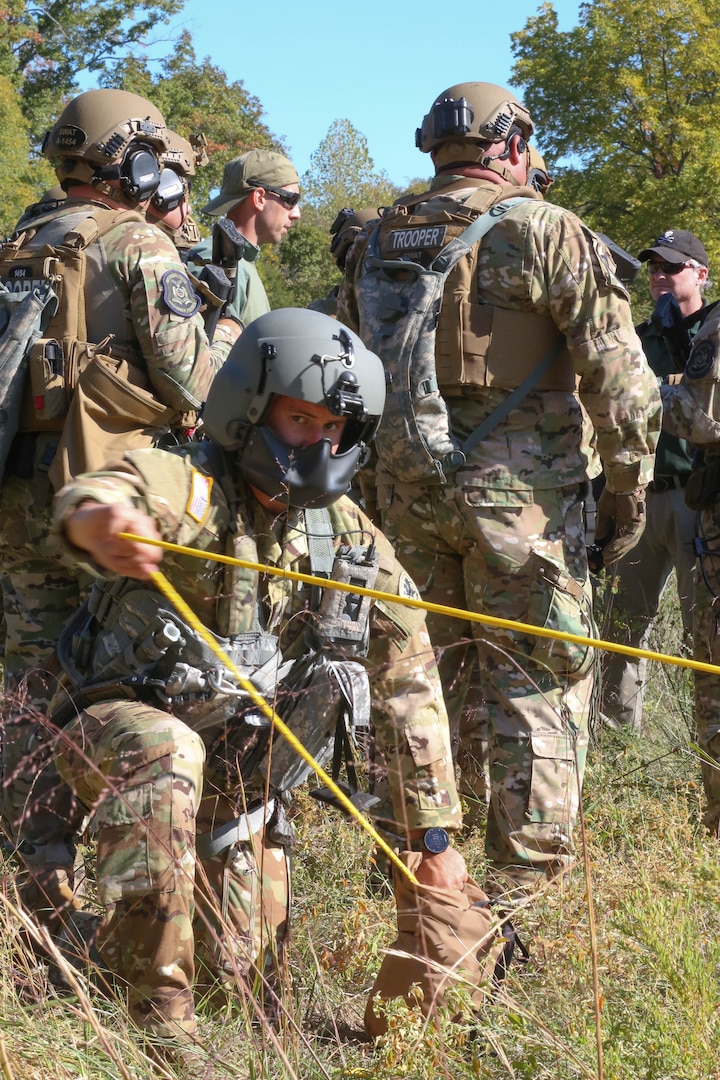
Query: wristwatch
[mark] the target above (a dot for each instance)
(434, 840)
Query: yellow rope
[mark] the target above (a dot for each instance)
(439, 609)
(164, 586)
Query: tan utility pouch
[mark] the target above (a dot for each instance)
(482, 345)
(445, 938)
(111, 411)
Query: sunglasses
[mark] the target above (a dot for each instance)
(667, 268)
(287, 198)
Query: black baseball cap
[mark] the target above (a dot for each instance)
(676, 246)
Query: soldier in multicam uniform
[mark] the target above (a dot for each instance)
(691, 411)
(187, 770)
(105, 147)
(501, 532)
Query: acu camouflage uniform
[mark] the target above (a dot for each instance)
(155, 775)
(133, 292)
(504, 534)
(691, 410)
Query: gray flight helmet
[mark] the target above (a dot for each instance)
(306, 355)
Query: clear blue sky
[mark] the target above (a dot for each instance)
(311, 62)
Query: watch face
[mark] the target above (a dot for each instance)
(436, 840)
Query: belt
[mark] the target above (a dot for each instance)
(668, 483)
(237, 831)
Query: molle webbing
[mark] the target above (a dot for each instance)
(54, 251)
(477, 344)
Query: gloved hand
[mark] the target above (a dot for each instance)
(619, 524)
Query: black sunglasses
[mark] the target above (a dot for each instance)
(287, 198)
(667, 267)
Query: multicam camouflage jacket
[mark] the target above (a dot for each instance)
(138, 300)
(539, 261)
(196, 504)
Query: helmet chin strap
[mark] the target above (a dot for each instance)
(492, 164)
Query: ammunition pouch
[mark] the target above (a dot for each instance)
(703, 487)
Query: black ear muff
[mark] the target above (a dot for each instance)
(521, 145)
(138, 173)
(170, 192)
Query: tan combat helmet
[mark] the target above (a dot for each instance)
(179, 164)
(466, 119)
(538, 176)
(105, 135)
(345, 228)
(185, 156)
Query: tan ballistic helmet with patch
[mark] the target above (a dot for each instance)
(97, 128)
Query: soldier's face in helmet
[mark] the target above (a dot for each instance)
(302, 423)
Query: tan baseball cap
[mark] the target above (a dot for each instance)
(260, 167)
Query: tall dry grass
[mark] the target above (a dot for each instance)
(655, 884)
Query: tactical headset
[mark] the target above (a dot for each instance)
(138, 172)
(170, 191)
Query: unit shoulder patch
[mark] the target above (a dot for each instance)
(701, 359)
(407, 587)
(178, 294)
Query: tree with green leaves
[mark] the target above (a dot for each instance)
(43, 51)
(19, 182)
(196, 96)
(627, 102)
(47, 47)
(342, 173)
(306, 265)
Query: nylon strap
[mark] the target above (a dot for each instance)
(514, 398)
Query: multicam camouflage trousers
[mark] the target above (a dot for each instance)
(706, 647)
(39, 594)
(141, 773)
(518, 556)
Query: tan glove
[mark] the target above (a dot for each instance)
(619, 524)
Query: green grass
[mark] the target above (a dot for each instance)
(655, 887)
